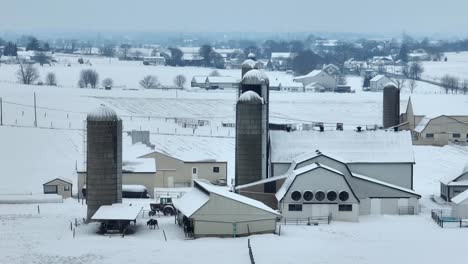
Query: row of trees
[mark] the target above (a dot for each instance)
(28, 74)
(453, 84)
(151, 81)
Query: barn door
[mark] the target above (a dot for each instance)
(376, 206)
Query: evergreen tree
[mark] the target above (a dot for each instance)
(33, 44)
(403, 54)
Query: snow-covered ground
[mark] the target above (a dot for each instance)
(29, 156)
(455, 65)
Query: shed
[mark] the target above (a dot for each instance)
(451, 187)
(116, 216)
(215, 211)
(460, 205)
(60, 186)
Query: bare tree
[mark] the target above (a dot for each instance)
(124, 49)
(465, 86)
(149, 82)
(415, 70)
(27, 74)
(51, 79)
(215, 73)
(412, 85)
(399, 82)
(88, 77)
(108, 51)
(107, 82)
(180, 80)
(450, 83)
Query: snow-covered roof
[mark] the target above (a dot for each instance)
(422, 124)
(314, 85)
(462, 197)
(286, 55)
(255, 77)
(133, 188)
(59, 178)
(223, 191)
(191, 201)
(378, 78)
(310, 74)
(351, 146)
(292, 84)
(432, 105)
(251, 55)
(393, 186)
(221, 79)
(250, 97)
(199, 79)
(292, 174)
(271, 179)
(458, 183)
(249, 64)
(103, 113)
(451, 179)
(117, 212)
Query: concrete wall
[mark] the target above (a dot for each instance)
(279, 168)
(388, 206)
(218, 216)
(61, 188)
(323, 180)
(399, 174)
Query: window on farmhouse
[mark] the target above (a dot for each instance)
(429, 135)
(216, 169)
(456, 135)
(295, 207)
(66, 188)
(345, 207)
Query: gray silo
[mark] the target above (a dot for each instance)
(252, 134)
(104, 159)
(249, 138)
(391, 105)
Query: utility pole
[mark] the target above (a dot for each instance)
(35, 112)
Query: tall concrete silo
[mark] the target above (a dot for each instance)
(391, 105)
(249, 138)
(252, 134)
(104, 159)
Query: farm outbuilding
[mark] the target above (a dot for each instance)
(215, 211)
(460, 205)
(60, 186)
(451, 187)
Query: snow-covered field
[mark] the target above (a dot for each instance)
(456, 65)
(29, 156)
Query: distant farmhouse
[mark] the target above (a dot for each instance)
(281, 61)
(378, 83)
(214, 82)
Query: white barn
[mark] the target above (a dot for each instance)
(215, 211)
(318, 76)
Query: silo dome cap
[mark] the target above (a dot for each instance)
(103, 113)
(390, 85)
(249, 64)
(250, 97)
(251, 56)
(255, 77)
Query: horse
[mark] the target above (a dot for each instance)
(152, 223)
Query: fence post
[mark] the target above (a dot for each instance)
(38, 210)
(35, 111)
(165, 238)
(1, 112)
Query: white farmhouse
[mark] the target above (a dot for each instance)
(378, 83)
(221, 82)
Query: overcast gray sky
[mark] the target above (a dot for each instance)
(360, 16)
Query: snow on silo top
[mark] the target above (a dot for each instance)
(251, 56)
(250, 97)
(103, 113)
(390, 85)
(249, 64)
(255, 77)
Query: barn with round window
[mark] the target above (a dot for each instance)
(317, 191)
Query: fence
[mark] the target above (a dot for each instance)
(437, 216)
(306, 220)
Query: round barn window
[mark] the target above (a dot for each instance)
(344, 196)
(296, 195)
(319, 196)
(308, 196)
(331, 196)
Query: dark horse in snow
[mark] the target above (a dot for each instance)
(152, 223)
